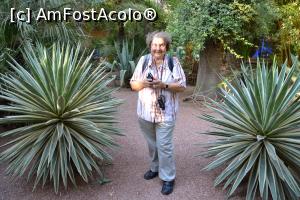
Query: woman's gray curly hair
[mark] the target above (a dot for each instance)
(159, 34)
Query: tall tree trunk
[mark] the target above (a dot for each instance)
(121, 32)
(209, 67)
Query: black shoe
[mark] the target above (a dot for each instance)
(150, 175)
(167, 187)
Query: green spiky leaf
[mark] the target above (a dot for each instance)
(258, 133)
(66, 113)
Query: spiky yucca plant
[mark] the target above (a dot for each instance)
(65, 112)
(258, 133)
(125, 61)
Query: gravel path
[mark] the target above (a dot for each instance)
(131, 161)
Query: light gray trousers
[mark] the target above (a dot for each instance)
(159, 137)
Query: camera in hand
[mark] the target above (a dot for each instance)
(150, 77)
(161, 101)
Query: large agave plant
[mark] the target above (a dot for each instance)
(258, 133)
(65, 116)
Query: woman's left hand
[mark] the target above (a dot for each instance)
(158, 84)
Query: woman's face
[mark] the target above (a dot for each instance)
(158, 48)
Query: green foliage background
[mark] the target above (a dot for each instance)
(237, 25)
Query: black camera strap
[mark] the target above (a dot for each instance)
(161, 97)
(161, 74)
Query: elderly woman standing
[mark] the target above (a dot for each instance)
(158, 78)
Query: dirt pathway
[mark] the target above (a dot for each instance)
(131, 161)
